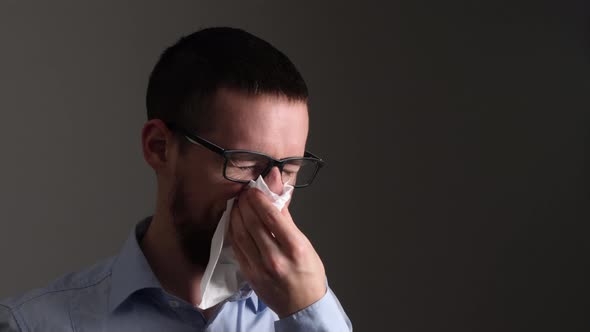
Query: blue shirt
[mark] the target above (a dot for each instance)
(123, 294)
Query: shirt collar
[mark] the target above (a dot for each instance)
(131, 271)
(255, 303)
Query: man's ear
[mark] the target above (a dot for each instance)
(158, 145)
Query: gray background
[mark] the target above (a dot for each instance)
(457, 192)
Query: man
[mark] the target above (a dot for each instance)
(224, 107)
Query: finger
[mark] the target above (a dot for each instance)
(242, 260)
(242, 239)
(286, 206)
(266, 243)
(232, 237)
(281, 226)
(285, 211)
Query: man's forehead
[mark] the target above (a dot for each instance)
(235, 103)
(265, 123)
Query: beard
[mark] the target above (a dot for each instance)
(193, 235)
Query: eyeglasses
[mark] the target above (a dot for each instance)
(245, 165)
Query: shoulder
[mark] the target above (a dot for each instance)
(7, 320)
(51, 304)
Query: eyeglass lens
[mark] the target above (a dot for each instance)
(244, 166)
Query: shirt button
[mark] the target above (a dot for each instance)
(173, 304)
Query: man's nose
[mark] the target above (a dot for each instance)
(274, 180)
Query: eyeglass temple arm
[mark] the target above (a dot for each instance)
(309, 154)
(211, 146)
(197, 140)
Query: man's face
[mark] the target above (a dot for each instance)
(272, 125)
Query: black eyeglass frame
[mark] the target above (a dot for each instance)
(195, 139)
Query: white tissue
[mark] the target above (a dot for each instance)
(222, 277)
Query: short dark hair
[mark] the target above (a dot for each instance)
(190, 72)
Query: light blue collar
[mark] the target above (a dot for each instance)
(131, 272)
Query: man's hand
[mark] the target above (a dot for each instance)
(276, 258)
